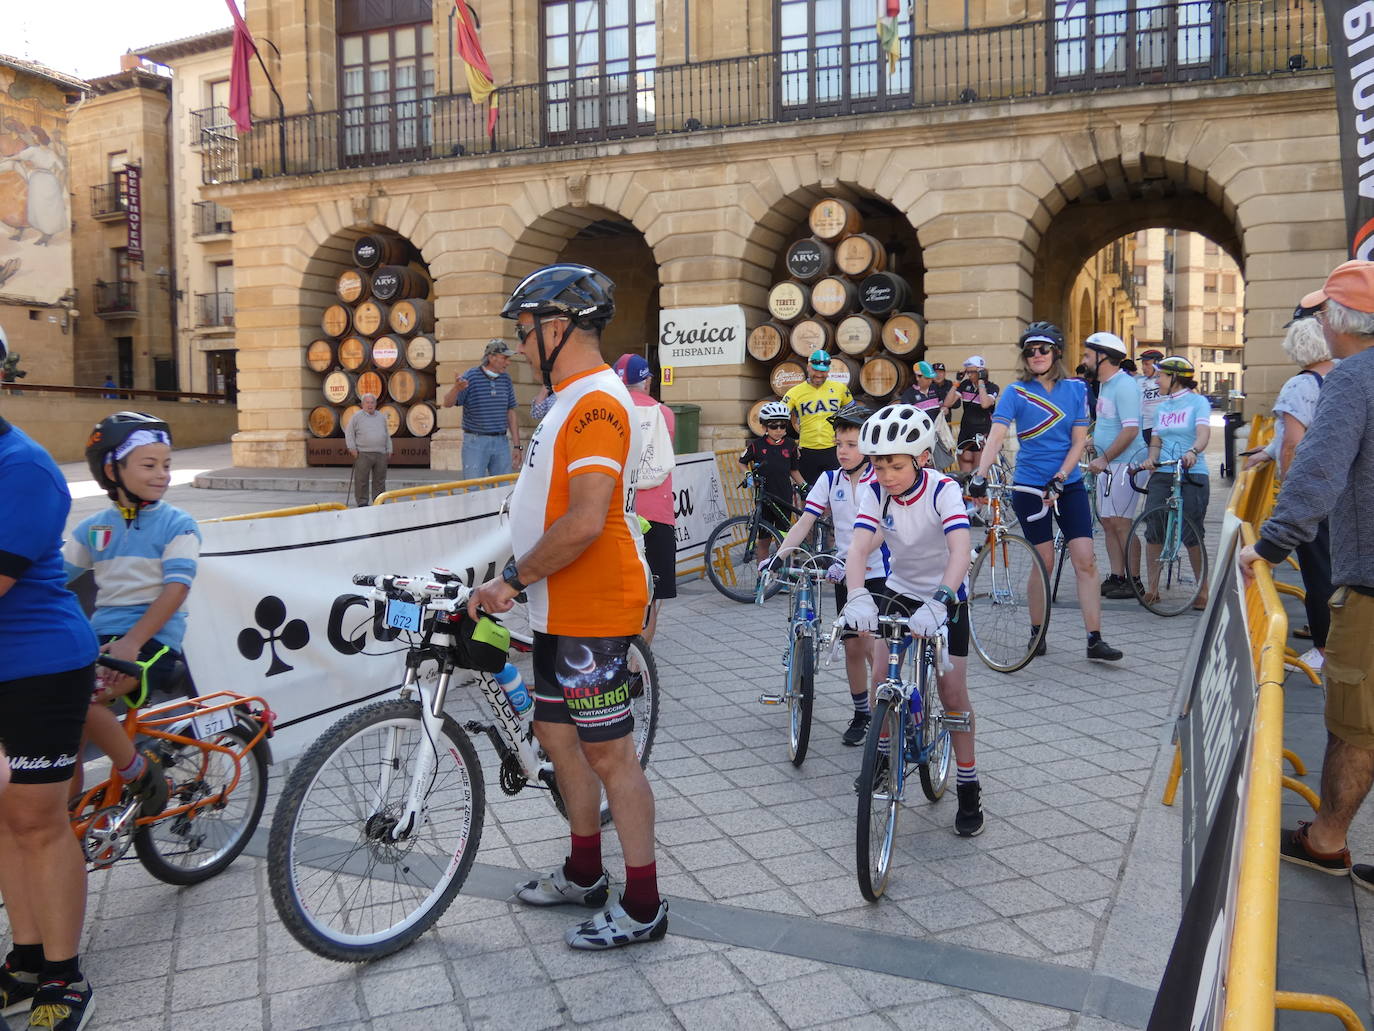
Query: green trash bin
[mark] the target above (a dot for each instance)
(688, 428)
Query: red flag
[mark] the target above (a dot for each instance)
(480, 81)
(240, 82)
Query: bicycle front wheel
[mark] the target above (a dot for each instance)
(879, 797)
(936, 746)
(1169, 550)
(193, 846)
(1009, 590)
(343, 883)
(732, 562)
(801, 672)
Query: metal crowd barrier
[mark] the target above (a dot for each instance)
(277, 513)
(434, 490)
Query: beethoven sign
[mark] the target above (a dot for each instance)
(701, 336)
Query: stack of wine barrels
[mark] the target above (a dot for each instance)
(377, 339)
(842, 297)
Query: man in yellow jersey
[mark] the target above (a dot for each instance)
(812, 404)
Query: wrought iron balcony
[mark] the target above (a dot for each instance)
(215, 309)
(212, 126)
(210, 218)
(115, 300)
(110, 200)
(1158, 44)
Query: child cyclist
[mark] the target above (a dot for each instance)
(143, 552)
(838, 491)
(777, 459)
(918, 513)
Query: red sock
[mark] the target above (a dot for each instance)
(583, 867)
(640, 898)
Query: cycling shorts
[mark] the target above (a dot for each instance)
(1116, 498)
(956, 630)
(583, 681)
(876, 587)
(160, 684)
(1075, 515)
(41, 719)
(660, 551)
(776, 513)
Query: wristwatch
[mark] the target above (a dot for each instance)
(511, 576)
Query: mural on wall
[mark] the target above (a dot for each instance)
(35, 209)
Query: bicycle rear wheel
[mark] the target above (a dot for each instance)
(1172, 574)
(801, 672)
(936, 746)
(194, 846)
(1008, 578)
(875, 833)
(731, 556)
(342, 886)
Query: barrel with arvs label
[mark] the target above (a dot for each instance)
(883, 293)
(788, 301)
(394, 282)
(808, 259)
(904, 334)
(811, 335)
(834, 297)
(834, 219)
(859, 335)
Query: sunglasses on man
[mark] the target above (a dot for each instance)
(523, 331)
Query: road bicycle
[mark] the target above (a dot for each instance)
(806, 576)
(1009, 588)
(732, 549)
(1168, 545)
(381, 818)
(215, 754)
(910, 729)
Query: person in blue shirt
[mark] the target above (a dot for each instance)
(1050, 411)
(46, 681)
(1116, 435)
(1183, 425)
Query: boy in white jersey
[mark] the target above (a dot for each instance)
(918, 513)
(839, 491)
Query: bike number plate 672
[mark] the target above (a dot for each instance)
(402, 615)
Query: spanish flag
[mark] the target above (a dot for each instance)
(480, 84)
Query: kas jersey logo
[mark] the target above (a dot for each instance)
(100, 537)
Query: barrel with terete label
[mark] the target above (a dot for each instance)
(340, 387)
(788, 301)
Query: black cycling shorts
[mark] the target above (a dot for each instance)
(877, 587)
(41, 719)
(956, 630)
(584, 681)
(660, 551)
(161, 687)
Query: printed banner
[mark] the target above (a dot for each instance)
(1350, 29)
(133, 208)
(701, 336)
(698, 501)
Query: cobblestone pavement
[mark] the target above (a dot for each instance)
(1059, 916)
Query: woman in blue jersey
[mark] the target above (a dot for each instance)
(1183, 425)
(1050, 411)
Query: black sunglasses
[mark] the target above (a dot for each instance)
(776, 425)
(523, 331)
(1041, 349)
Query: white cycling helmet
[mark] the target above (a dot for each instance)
(1107, 343)
(897, 430)
(975, 361)
(775, 411)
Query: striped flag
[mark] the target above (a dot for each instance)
(480, 83)
(889, 41)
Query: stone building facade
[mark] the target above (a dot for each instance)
(993, 145)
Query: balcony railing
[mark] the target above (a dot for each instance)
(1185, 41)
(110, 199)
(115, 299)
(210, 218)
(212, 127)
(215, 309)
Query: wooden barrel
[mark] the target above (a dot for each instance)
(880, 294)
(323, 421)
(388, 352)
(346, 416)
(859, 335)
(413, 315)
(844, 369)
(369, 318)
(752, 419)
(340, 387)
(421, 419)
(336, 320)
(905, 334)
(834, 297)
(808, 259)
(810, 335)
(884, 377)
(766, 341)
(786, 375)
(860, 255)
(420, 352)
(395, 416)
(395, 282)
(407, 386)
(834, 219)
(372, 383)
(377, 249)
(354, 353)
(319, 355)
(352, 286)
(788, 301)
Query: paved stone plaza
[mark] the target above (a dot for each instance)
(1059, 916)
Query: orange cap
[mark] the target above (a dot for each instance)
(1350, 284)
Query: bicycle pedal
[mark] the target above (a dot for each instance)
(957, 722)
(771, 699)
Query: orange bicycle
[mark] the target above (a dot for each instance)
(215, 753)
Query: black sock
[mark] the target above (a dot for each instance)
(67, 971)
(1035, 629)
(1093, 637)
(28, 958)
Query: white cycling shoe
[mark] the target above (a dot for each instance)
(613, 928)
(554, 889)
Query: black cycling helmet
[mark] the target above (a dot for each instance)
(1043, 333)
(852, 414)
(579, 293)
(109, 437)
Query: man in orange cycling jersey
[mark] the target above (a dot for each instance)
(579, 557)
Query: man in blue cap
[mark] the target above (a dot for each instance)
(813, 402)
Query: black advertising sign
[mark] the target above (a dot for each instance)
(1350, 28)
(133, 208)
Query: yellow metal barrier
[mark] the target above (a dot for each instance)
(1304, 1003)
(434, 490)
(278, 513)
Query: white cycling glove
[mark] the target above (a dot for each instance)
(835, 574)
(925, 621)
(860, 611)
(767, 564)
